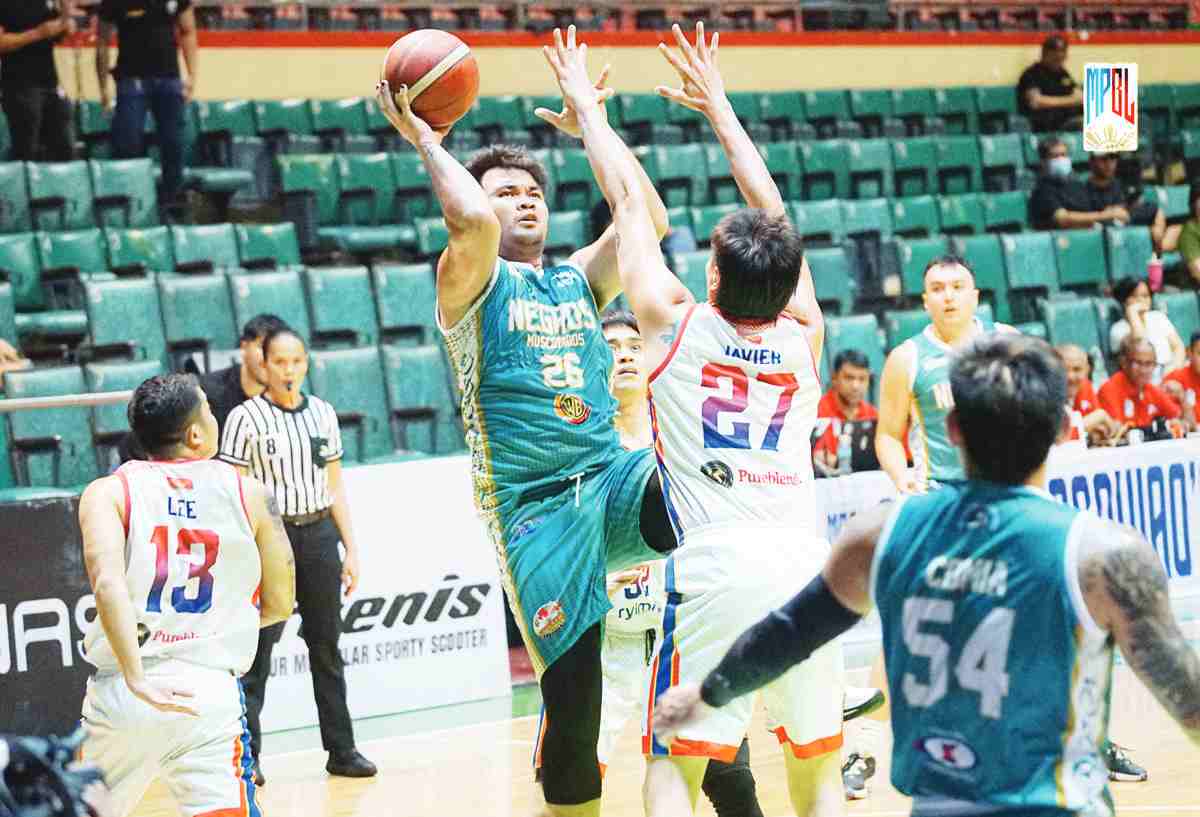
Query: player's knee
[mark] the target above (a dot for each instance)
(730, 788)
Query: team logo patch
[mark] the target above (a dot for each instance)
(718, 472)
(570, 407)
(549, 618)
(948, 752)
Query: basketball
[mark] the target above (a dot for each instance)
(440, 72)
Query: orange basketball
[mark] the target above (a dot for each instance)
(440, 72)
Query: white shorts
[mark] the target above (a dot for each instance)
(719, 583)
(204, 761)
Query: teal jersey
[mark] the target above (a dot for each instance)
(532, 366)
(934, 456)
(999, 677)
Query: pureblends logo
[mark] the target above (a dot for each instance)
(1110, 94)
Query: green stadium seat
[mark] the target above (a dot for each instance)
(8, 314)
(110, 423)
(14, 199)
(405, 301)
(691, 124)
(380, 129)
(267, 246)
(1156, 103)
(574, 186)
(1129, 250)
(824, 109)
(501, 119)
(544, 134)
(342, 306)
(228, 137)
(424, 416)
(1108, 312)
(721, 187)
(277, 292)
(901, 324)
(915, 217)
(74, 253)
(204, 247)
(781, 111)
(644, 116)
(1005, 212)
(704, 219)
(21, 266)
(432, 237)
(1189, 141)
(912, 255)
(870, 173)
(834, 278)
(747, 107)
(680, 218)
(566, 233)
(958, 164)
(197, 316)
(677, 173)
(986, 257)
(309, 186)
(1031, 269)
(60, 195)
(140, 250)
(916, 108)
(826, 171)
(961, 214)
(1184, 311)
(124, 193)
(956, 107)
(1173, 199)
(364, 221)
(691, 269)
(871, 108)
(868, 223)
(1072, 321)
(859, 332)
(287, 124)
(996, 104)
(93, 125)
(352, 380)
(914, 166)
(1001, 157)
(342, 125)
(818, 222)
(1187, 106)
(50, 447)
(124, 320)
(1081, 261)
(414, 191)
(783, 163)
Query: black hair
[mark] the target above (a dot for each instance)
(1053, 43)
(262, 325)
(1048, 144)
(1124, 288)
(949, 260)
(270, 337)
(619, 317)
(1193, 197)
(1008, 387)
(758, 256)
(850, 357)
(161, 410)
(1194, 340)
(509, 156)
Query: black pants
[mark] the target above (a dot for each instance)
(318, 595)
(39, 121)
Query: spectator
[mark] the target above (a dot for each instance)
(1088, 420)
(1143, 322)
(11, 359)
(230, 387)
(844, 402)
(147, 75)
(1129, 396)
(1047, 94)
(1186, 239)
(1188, 379)
(39, 115)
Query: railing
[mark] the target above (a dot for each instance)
(65, 401)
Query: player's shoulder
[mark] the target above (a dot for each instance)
(903, 356)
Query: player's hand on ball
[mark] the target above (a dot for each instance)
(399, 112)
(567, 120)
(679, 707)
(163, 697)
(569, 63)
(701, 86)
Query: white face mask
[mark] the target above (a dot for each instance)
(1060, 166)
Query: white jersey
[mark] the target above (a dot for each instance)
(192, 565)
(732, 417)
(638, 606)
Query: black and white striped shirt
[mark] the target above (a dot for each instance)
(288, 449)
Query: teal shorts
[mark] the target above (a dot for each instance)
(558, 549)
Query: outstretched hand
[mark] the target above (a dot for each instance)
(701, 87)
(567, 120)
(568, 61)
(398, 110)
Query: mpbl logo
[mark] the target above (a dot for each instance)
(1110, 94)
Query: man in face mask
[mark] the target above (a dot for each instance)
(1061, 202)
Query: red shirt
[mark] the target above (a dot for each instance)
(830, 410)
(1187, 378)
(1123, 402)
(1085, 399)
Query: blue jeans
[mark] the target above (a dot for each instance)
(163, 96)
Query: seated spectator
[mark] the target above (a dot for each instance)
(845, 402)
(1188, 379)
(1143, 322)
(1088, 420)
(11, 359)
(1186, 239)
(1047, 95)
(1129, 396)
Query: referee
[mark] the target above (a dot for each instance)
(291, 442)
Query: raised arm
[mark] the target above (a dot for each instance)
(894, 402)
(466, 266)
(278, 590)
(1125, 590)
(656, 295)
(185, 31)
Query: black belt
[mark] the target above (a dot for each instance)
(306, 519)
(558, 486)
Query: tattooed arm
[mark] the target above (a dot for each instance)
(1125, 589)
(278, 589)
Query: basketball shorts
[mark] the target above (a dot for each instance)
(204, 761)
(719, 583)
(556, 551)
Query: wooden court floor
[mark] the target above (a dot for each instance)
(482, 770)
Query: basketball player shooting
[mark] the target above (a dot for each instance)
(733, 398)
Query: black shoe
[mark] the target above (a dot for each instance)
(1120, 766)
(350, 764)
(259, 780)
(859, 701)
